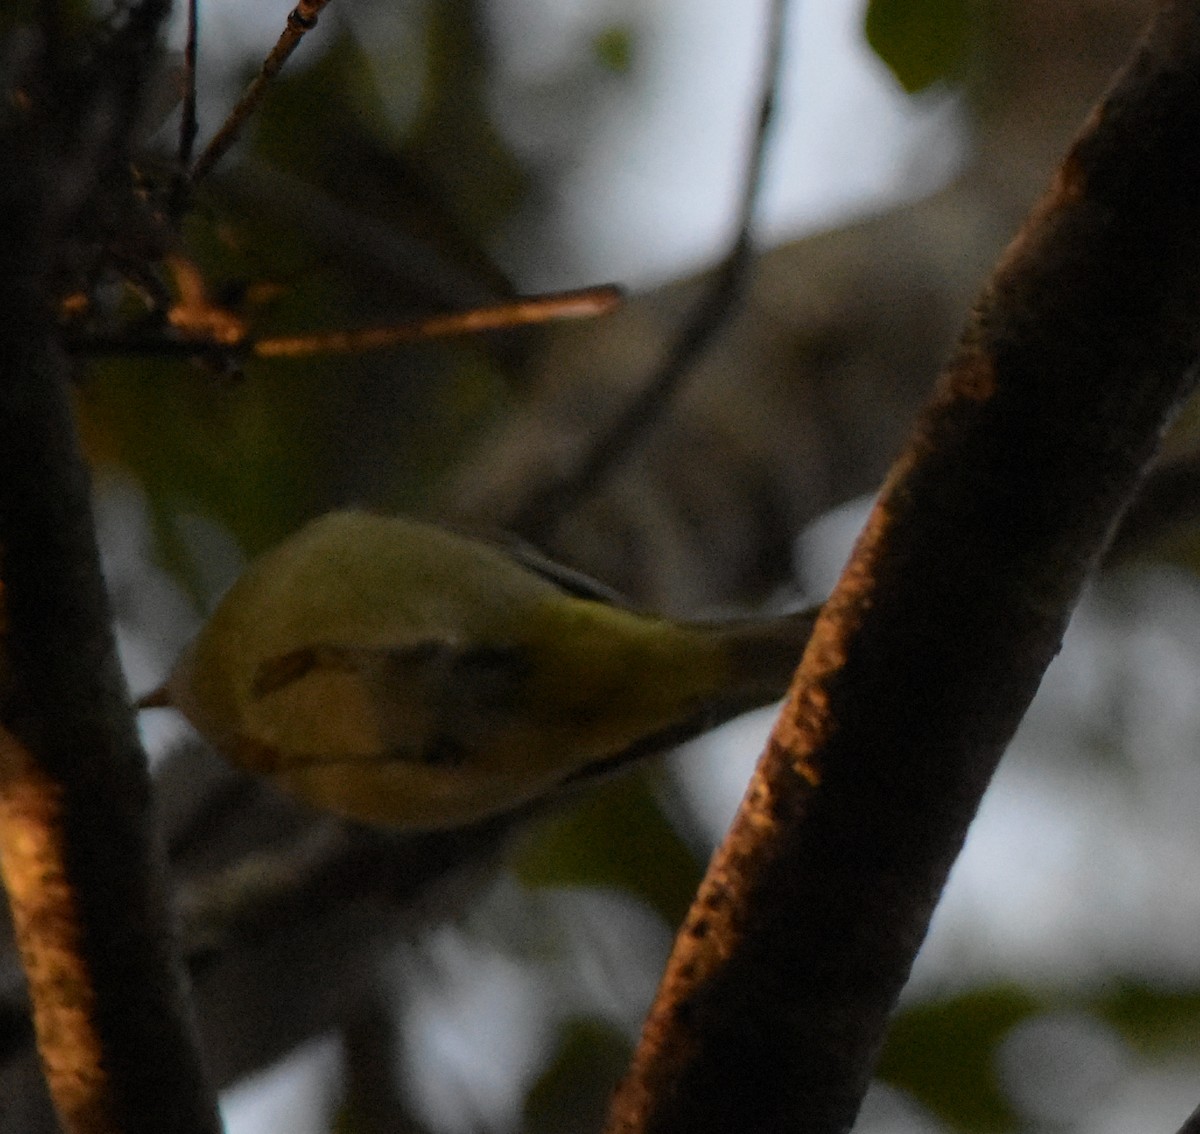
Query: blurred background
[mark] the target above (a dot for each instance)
(424, 155)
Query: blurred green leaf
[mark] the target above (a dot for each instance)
(445, 185)
(614, 49)
(74, 22)
(261, 454)
(942, 1053)
(571, 1095)
(921, 41)
(236, 452)
(340, 223)
(617, 837)
(1151, 1019)
(462, 157)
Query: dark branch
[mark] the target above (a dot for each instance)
(579, 303)
(1192, 1125)
(74, 767)
(187, 117)
(927, 654)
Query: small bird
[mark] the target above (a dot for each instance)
(401, 674)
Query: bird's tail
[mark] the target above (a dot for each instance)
(764, 653)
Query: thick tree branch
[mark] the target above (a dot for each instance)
(88, 894)
(48, 930)
(933, 643)
(1192, 1125)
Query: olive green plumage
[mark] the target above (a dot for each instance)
(401, 674)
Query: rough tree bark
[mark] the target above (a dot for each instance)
(85, 880)
(955, 599)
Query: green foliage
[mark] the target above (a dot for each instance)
(942, 1054)
(235, 452)
(614, 49)
(72, 19)
(572, 1093)
(448, 181)
(314, 104)
(341, 223)
(460, 154)
(261, 451)
(922, 41)
(616, 836)
(1152, 1020)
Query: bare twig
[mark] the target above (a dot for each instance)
(585, 303)
(302, 18)
(218, 331)
(928, 652)
(187, 119)
(542, 513)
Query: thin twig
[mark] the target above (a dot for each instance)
(188, 125)
(583, 303)
(541, 514)
(925, 657)
(301, 19)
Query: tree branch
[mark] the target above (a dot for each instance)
(48, 930)
(928, 652)
(301, 19)
(88, 893)
(1192, 1125)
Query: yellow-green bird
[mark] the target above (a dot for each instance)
(401, 674)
